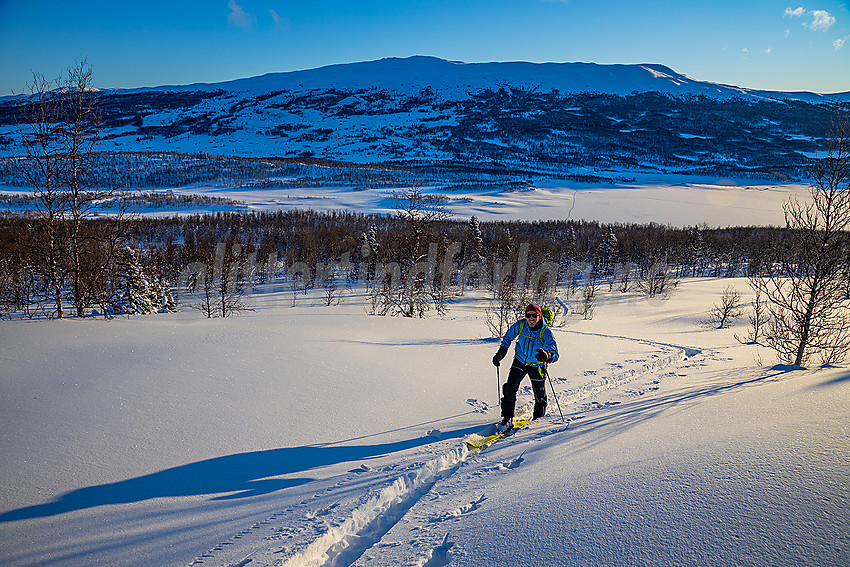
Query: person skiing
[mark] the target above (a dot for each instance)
(535, 348)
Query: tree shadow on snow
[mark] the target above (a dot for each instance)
(242, 474)
(835, 381)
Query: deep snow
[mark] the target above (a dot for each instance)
(314, 435)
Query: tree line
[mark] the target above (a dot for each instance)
(482, 253)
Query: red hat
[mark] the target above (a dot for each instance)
(534, 309)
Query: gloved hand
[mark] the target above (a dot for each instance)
(543, 355)
(500, 354)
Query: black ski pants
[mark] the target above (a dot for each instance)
(538, 386)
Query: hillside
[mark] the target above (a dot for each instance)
(310, 435)
(546, 119)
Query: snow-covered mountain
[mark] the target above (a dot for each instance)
(556, 117)
(456, 79)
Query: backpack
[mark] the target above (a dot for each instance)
(548, 316)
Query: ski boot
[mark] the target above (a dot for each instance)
(505, 425)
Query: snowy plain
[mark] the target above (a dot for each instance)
(676, 200)
(312, 435)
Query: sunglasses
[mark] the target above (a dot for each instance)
(531, 315)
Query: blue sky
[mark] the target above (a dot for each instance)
(763, 44)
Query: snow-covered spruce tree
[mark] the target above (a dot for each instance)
(807, 288)
(368, 249)
(473, 260)
(606, 256)
(135, 293)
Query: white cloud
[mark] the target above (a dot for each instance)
(767, 51)
(821, 20)
(280, 23)
(746, 50)
(839, 43)
(239, 17)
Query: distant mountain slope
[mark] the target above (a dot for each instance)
(409, 75)
(558, 118)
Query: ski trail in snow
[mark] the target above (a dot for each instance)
(686, 350)
(346, 539)
(343, 545)
(605, 382)
(572, 205)
(671, 354)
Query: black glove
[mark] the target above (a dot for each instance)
(543, 355)
(500, 354)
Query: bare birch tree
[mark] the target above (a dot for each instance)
(59, 129)
(419, 213)
(39, 126)
(807, 292)
(92, 248)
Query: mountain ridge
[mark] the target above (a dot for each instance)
(393, 73)
(554, 118)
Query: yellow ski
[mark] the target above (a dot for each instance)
(490, 435)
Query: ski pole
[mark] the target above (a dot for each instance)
(554, 394)
(498, 387)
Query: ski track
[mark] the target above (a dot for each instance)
(341, 534)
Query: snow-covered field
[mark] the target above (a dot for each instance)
(315, 435)
(675, 200)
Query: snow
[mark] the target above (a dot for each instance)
(674, 200)
(314, 435)
(411, 75)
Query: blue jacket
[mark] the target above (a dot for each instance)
(528, 341)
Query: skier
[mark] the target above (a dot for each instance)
(535, 348)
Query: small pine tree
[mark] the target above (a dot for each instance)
(475, 241)
(135, 294)
(370, 245)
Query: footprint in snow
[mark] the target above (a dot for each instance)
(478, 405)
(440, 556)
(458, 512)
